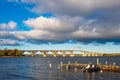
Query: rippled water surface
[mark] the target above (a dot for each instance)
(37, 68)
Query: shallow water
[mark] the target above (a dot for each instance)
(37, 68)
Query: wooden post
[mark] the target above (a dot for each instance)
(67, 67)
(69, 62)
(61, 64)
(75, 62)
(50, 65)
(76, 66)
(110, 67)
(114, 63)
(59, 67)
(75, 69)
(97, 61)
(106, 63)
(101, 73)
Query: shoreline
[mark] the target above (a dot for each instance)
(9, 56)
(51, 56)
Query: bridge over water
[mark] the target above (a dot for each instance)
(63, 53)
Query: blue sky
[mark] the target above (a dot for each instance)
(60, 24)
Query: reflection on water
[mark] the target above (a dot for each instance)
(37, 68)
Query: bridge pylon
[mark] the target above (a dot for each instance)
(64, 53)
(54, 53)
(71, 54)
(44, 53)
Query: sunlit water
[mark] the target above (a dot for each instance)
(37, 68)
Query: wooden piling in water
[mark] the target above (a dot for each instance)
(59, 67)
(76, 66)
(50, 65)
(68, 62)
(67, 67)
(61, 64)
(97, 61)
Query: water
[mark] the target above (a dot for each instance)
(37, 68)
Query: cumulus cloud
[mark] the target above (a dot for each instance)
(8, 26)
(80, 20)
(62, 24)
(106, 10)
(78, 28)
(72, 7)
(5, 37)
(8, 42)
(3, 34)
(12, 24)
(62, 29)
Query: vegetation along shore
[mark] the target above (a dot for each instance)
(10, 52)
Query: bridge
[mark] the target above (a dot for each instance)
(63, 53)
(89, 53)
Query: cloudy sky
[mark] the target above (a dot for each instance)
(93, 25)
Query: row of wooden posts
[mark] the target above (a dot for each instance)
(69, 63)
(76, 65)
(61, 65)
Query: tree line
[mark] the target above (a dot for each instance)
(11, 52)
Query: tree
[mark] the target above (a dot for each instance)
(2, 53)
(7, 52)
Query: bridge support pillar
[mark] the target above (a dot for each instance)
(71, 54)
(63, 53)
(44, 53)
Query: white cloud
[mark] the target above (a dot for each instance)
(8, 26)
(3, 34)
(3, 26)
(62, 24)
(57, 29)
(62, 29)
(12, 25)
(39, 35)
(8, 42)
(68, 23)
(72, 7)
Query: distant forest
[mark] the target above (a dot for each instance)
(11, 52)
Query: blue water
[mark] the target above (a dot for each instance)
(37, 68)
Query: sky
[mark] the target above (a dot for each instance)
(92, 25)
